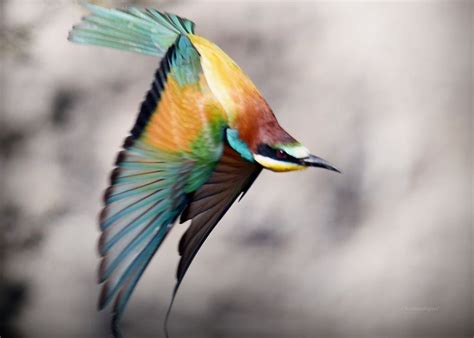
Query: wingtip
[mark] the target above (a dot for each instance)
(114, 175)
(72, 34)
(101, 217)
(128, 142)
(107, 194)
(101, 272)
(101, 245)
(88, 5)
(170, 306)
(114, 327)
(102, 302)
(120, 157)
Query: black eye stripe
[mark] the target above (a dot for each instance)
(277, 154)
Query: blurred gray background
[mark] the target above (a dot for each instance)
(381, 89)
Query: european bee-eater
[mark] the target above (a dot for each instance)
(203, 134)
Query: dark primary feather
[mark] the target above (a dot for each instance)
(152, 98)
(232, 177)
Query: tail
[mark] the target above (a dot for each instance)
(142, 31)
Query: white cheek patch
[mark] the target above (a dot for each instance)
(297, 151)
(276, 165)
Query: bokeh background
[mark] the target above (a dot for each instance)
(381, 89)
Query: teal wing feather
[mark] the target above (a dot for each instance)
(146, 31)
(147, 193)
(150, 187)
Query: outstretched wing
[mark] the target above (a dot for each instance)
(175, 144)
(146, 31)
(231, 178)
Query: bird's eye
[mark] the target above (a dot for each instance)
(280, 154)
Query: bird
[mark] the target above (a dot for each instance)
(203, 134)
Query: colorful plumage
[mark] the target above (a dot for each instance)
(203, 134)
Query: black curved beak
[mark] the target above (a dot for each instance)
(315, 161)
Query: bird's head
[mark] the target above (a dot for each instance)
(288, 157)
(273, 148)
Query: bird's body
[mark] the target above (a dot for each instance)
(203, 134)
